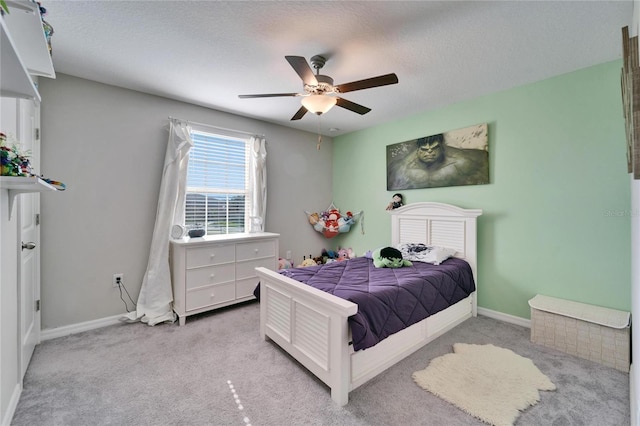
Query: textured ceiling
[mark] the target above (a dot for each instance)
(209, 52)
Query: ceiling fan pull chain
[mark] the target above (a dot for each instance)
(319, 134)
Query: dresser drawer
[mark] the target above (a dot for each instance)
(246, 269)
(255, 250)
(246, 287)
(210, 295)
(208, 275)
(210, 255)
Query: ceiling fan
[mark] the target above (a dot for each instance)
(320, 95)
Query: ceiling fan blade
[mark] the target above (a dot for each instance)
(301, 66)
(352, 106)
(298, 115)
(382, 80)
(268, 95)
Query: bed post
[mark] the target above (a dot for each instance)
(340, 364)
(263, 310)
(471, 242)
(474, 304)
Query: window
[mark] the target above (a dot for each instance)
(218, 194)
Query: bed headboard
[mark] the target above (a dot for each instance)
(437, 224)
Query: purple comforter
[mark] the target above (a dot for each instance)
(389, 300)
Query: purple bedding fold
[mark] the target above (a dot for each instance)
(389, 300)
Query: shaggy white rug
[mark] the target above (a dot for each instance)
(491, 383)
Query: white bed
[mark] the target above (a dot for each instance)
(311, 325)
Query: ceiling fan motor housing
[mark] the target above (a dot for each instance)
(325, 85)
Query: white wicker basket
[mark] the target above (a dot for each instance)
(586, 331)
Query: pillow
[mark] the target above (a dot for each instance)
(419, 252)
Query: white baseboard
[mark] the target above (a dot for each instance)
(67, 330)
(633, 392)
(13, 404)
(504, 317)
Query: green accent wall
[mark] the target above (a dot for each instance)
(557, 212)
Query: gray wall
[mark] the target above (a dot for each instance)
(107, 144)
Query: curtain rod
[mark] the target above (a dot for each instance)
(215, 127)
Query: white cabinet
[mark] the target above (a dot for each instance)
(23, 51)
(24, 55)
(212, 272)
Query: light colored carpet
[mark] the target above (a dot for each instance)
(167, 375)
(491, 383)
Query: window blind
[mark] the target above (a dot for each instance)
(217, 184)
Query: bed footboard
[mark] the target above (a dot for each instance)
(311, 326)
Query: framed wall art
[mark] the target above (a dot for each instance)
(457, 157)
(630, 85)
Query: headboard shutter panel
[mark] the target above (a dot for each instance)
(448, 233)
(413, 231)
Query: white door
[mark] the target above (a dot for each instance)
(28, 222)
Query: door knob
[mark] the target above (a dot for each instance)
(28, 246)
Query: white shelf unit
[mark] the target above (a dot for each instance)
(24, 52)
(19, 184)
(24, 56)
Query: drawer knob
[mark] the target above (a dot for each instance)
(213, 255)
(212, 275)
(213, 295)
(256, 250)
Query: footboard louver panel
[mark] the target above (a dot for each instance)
(311, 334)
(279, 313)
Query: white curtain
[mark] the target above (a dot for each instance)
(258, 183)
(156, 296)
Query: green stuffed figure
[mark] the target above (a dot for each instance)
(389, 257)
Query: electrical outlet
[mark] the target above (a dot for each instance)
(288, 255)
(117, 279)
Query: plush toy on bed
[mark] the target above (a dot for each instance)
(284, 263)
(307, 262)
(329, 256)
(343, 255)
(389, 257)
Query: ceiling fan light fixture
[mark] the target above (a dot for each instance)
(318, 104)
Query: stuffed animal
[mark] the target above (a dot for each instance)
(343, 255)
(319, 260)
(389, 257)
(284, 263)
(307, 262)
(396, 202)
(350, 254)
(345, 222)
(329, 254)
(314, 218)
(316, 222)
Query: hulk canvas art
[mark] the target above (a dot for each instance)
(458, 157)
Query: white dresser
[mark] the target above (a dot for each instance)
(215, 271)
